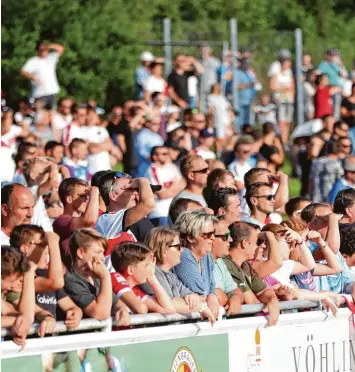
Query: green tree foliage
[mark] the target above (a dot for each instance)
(103, 38)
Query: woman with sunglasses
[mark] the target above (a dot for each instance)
(166, 247)
(196, 267)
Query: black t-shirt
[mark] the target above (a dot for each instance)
(130, 160)
(267, 151)
(179, 83)
(49, 300)
(114, 129)
(350, 120)
(141, 228)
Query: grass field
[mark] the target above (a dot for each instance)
(294, 183)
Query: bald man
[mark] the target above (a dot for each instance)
(17, 203)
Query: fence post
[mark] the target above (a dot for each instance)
(224, 56)
(167, 46)
(234, 49)
(299, 85)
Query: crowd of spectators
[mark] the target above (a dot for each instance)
(160, 207)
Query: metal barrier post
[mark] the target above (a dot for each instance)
(167, 46)
(224, 56)
(299, 84)
(234, 49)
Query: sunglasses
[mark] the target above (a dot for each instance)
(268, 197)
(260, 242)
(178, 247)
(207, 235)
(225, 237)
(118, 175)
(204, 170)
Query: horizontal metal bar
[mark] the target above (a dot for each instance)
(155, 318)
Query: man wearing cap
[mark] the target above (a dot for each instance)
(127, 201)
(347, 181)
(332, 68)
(143, 72)
(207, 139)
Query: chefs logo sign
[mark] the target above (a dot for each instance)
(184, 361)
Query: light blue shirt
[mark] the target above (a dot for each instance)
(188, 272)
(340, 185)
(246, 95)
(140, 76)
(223, 278)
(332, 71)
(144, 142)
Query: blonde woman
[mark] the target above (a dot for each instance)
(166, 247)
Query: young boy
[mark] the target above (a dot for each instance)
(266, 111)
(81, 209)
(77, 161)
(88, 281)
(135, 265)
(39, 246)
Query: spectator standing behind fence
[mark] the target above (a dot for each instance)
(178, 79)
(331, 68)
(210, 65)
(323, 104)
(283, 88)
(155, 82)
(224, 72)
(143, 72)
(246, 91)
(41, 70)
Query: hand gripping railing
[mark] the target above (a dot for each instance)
(155, 318)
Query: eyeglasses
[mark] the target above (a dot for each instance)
(346, 146)
(268, 197)
(117, 113)
(177, 247)
(204, 170)
(225, 237)
(207, 235)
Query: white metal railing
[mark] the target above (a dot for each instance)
(155, 318)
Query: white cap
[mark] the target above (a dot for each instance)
(147, 57)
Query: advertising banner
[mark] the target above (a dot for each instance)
(194, 354)
(310, 347)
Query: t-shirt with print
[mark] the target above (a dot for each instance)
(305, 280)
(82, 292)
(62, 227)
(49, 300)
(223, 277)
(120, 286)
(245, 276)
(111, 225)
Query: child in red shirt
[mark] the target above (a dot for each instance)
(323, 103)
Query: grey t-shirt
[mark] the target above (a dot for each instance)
(191, 196)
(170, 282)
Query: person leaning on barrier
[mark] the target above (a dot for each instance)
(39, 247)
(243, 249)
(196, 268)
(88, 281)
(167, 249)
(17, 275)
(228, 293)
(135, 265)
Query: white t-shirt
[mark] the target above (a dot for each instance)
(282, 275)
(164, 176)
(206, 154)
(100, 161)
(72, 131)
(45, 70)
(60, 122)
(192, 86)
(220, 105)
(5, 240)
(153, 84)
(239, 170)
(8, 148)
(40, 216)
